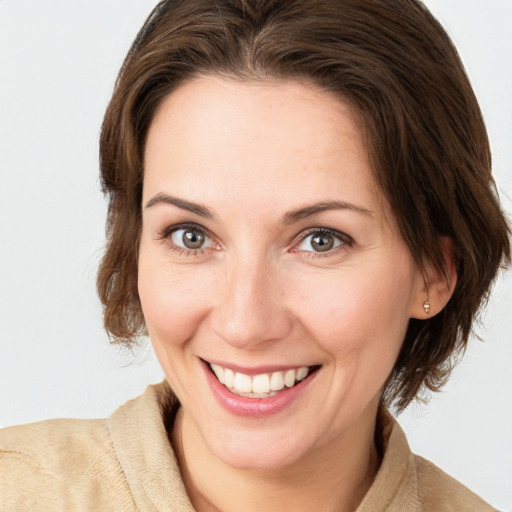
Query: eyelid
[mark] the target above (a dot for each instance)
(165, 236)
(168, 230)
(346, 240)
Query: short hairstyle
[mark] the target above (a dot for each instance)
(425, 137)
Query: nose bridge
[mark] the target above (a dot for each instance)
(251, 310)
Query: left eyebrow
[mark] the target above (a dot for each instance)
(196, 208)
(314, 209)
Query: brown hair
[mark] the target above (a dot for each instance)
(426, 140)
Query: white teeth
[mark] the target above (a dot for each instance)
(302, 373)
(261, 383)
(289, 378)
(259, 386)
(229, 378)
(255, 395)
(219, 372)
(243, 383)
(277, 381)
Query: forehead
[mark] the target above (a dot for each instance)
(215, 134)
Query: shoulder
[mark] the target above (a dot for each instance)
(61, 431)
(63, 462)
(53, 443)
(124, 462)
(408, 482)
(438, 491)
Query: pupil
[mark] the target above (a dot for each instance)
(322, 243)
(193, 238)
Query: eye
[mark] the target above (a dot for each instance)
(188, 238)
(323, 240)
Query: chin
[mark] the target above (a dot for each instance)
(257, 458)
(260, 450)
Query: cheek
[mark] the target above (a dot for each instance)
(355, 311)
(174, 300)
(359, 321)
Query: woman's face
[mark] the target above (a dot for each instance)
(268, 251)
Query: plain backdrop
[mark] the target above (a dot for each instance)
(58, 62)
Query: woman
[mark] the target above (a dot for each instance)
(303, 220)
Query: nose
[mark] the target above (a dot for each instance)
(251, 311)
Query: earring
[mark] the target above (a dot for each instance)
(426, 306)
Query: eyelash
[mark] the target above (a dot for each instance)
(166, 234)
(344, 239)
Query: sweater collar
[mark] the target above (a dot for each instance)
(145, 453)
(138, 432)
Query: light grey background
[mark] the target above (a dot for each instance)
(58, 62)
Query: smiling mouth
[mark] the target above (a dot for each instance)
(263, 385)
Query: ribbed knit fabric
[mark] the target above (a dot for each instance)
(126, 463)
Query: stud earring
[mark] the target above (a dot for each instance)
(426, 306)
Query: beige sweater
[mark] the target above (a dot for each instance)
(125, 463)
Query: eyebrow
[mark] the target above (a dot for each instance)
(288, 218)
(196, 208)
(314, 209)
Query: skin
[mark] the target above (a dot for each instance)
(257, 293)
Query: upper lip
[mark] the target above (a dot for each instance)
(256, 370)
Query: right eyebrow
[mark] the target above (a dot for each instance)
(196, 208)
(314, 209)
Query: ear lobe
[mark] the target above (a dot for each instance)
(437, 287)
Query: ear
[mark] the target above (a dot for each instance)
(436, 288)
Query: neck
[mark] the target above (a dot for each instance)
(333, 478)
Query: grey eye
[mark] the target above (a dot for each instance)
(190, 238)
(320, 241)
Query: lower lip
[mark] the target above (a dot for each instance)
(255, 407)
